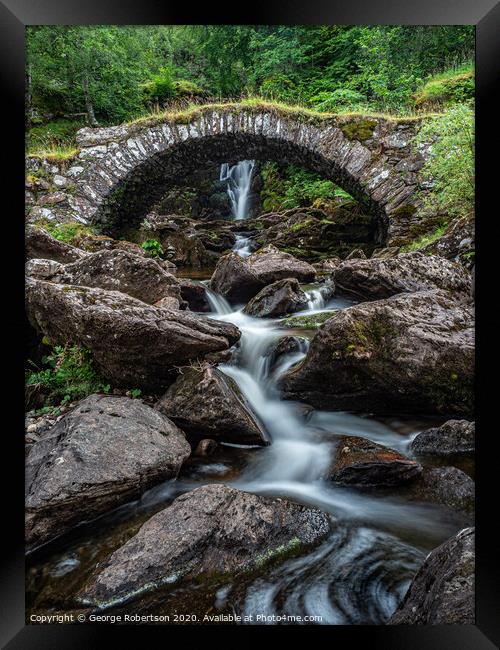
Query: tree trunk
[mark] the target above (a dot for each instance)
(88, 103)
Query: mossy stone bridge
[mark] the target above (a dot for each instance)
(122, 171)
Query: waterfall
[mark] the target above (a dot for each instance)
(238, 178)
(242, 246)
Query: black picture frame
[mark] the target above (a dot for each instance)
(15, 15)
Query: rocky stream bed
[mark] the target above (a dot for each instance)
(303, 445)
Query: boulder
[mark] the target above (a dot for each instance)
(442, 592)
(283, 347)
(206, 447)
(447, 486)
(234, 280)
(412, 352)
(356, 254)
(40, 245)
(213, 531)
(132, 344)
(453, 438)
(378, 278)
(117, 270)
(358, 461)
(384, 253)
(168, 303)
(104, 452)
(195, 295)
(270, 264)
(205, 402)
(43, 269)
(328, 265)
(277, 299)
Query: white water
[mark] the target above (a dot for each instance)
(239, 179)
(242, 246)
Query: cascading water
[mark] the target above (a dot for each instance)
(242, 246)
(239, 180)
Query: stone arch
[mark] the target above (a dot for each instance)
(122, 170)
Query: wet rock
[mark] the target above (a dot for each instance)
(204, 401)
(285, 346)
(195, 295)
(442, 592)
(212, 531)
(206, 447)
(453, 438)
(358, 461)
(409, 272)
(117, 270)
(447, 486)
(277, 299)
(234, 280)
(270, 264)
(40, 245)
(102, 453)
(132, 344)
(356, 254)
(413, 352)
(328, 265)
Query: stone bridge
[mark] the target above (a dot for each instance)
(120, 172)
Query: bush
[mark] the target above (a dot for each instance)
(153, 247)
(450, 167)
(339, 99)
(69, 232)
(449, 87)
(58, 133)
(69, 376)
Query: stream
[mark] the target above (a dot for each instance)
(358, 575)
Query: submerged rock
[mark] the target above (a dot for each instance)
(40, 245)
(453, 438)
(270, 264)
(101, 454)
(212, 531)
(413, 352)
(277, 299)
(206, 402)
(358, 461)
(132, 344)
(442, 592)
(383, 277)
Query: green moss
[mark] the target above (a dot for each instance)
(450, 86)
(308, 322)
(359, 130)
(424, 240)
(68, 232)
(406, 210)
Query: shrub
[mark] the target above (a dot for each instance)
(69, 375)
(69, 232)
(153, 247)
(339, 99)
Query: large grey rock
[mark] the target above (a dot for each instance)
(205, 402)
(453, 438)
(358, 461)
(377, 278)
(132, 344)
(442, 592)
(213, 530)
(277, 299)
(102, 453)
(234, 279)
(413, 352)
(117, 270)
(457, 242)
(40, 245)
(447, 486)
(270, 264)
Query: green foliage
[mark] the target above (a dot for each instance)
(450, 166)
(69, 375)
(287, 186)
(136, 392)
(68, 232)
(425, 240)
(153, 247)
(161, 85)
(338, 100)
(449, 87)
(54, 134)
